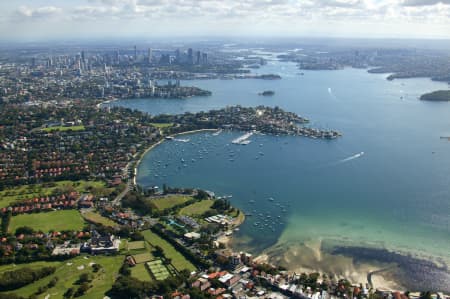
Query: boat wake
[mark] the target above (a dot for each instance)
(330, 92)
(356, 156)
(181, 140)
(217, 133)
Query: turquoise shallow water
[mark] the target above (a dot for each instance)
(394, 196)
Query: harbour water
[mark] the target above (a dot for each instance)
(383, 185)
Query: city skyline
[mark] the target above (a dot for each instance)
(50, 19)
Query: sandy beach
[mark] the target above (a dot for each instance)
(309, 257)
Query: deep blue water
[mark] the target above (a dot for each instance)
(396, 195)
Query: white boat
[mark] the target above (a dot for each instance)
(217, 133)
(241, 140)
(181, 140)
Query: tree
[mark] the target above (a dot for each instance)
(69, 293)
(201, 195)
(85, 277)
(26, 230)
(159, 252)
(82, 289)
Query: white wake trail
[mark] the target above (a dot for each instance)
(356, 156)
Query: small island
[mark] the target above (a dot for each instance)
(267, 93)
(436, 96)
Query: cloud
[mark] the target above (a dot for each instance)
(424, 2)
(340, 3)
(223, 16)
(37, 13)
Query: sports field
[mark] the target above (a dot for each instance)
(169, 201)
(177, 259)
(49, 221)
(159, 271)
(197, 208)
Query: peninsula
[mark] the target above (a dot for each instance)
(436, 96)
(264, 119)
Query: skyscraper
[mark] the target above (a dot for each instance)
(150, 55)
(190, 56)
(197, 58)
(135, 53)
(177, 55)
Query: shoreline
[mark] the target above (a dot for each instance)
(388, 280)
(240, 218)
(147, 150)
(382, 268)
(226, 240)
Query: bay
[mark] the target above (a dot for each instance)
(394, 196)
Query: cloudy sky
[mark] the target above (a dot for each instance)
(54, 19)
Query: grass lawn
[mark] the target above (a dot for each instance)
(57, 220)
(68, 273)
(64, 128)
(136, 245)
(162, 125)
(11, 195)
(97, 218)
(178, 260)
(140, 272)
(166, 202)
(197, 208)
(143, 257)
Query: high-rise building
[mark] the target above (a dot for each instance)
(204, 58)
(150, 55)
(190, 56)
(135, 53)
(177, 55)
(197, 57)
(165, 59)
